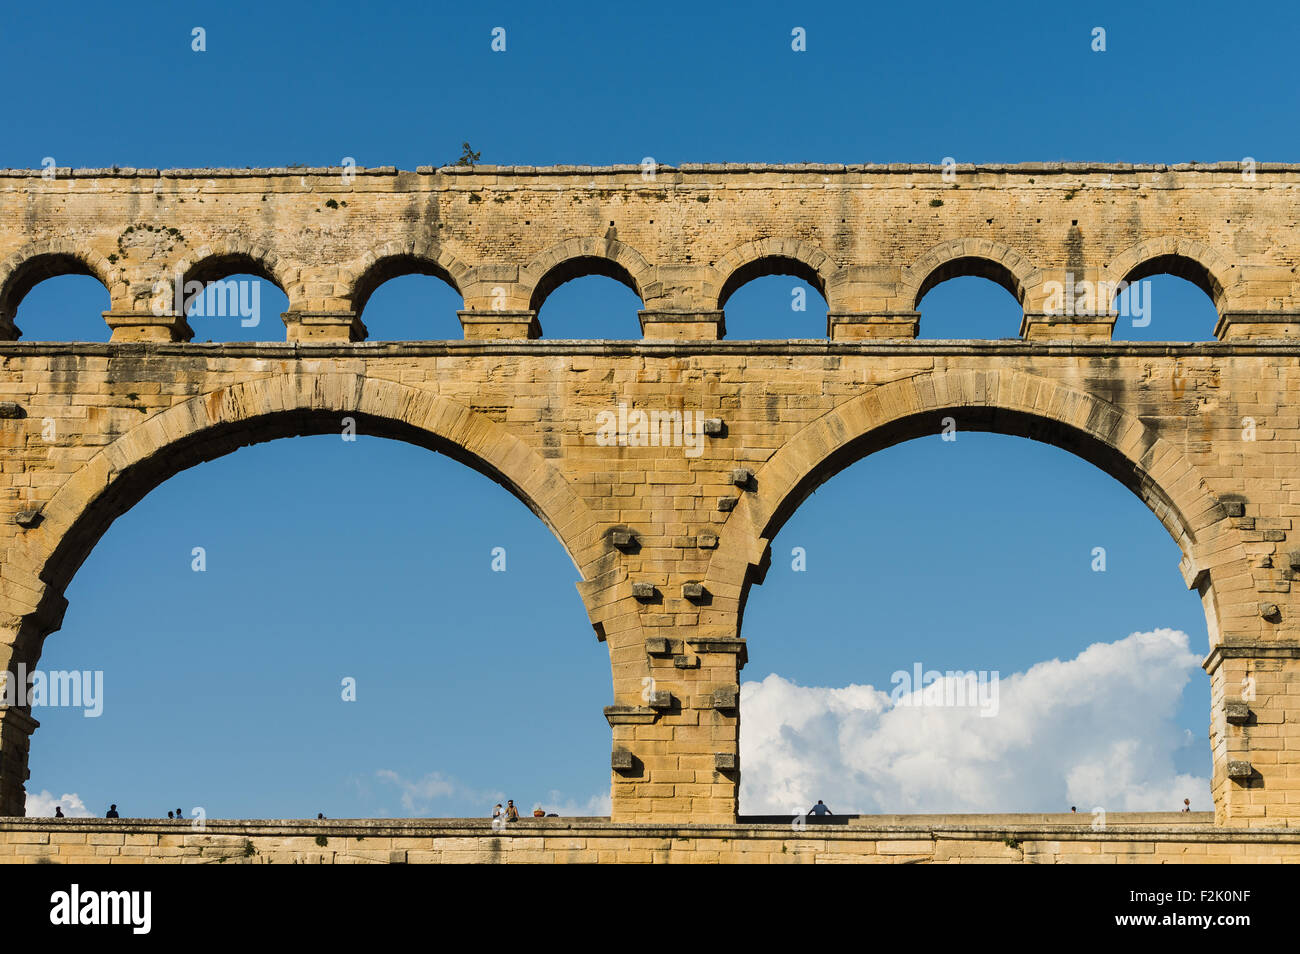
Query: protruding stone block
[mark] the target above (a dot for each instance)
(858, 326)
(742, 476)
(682, 661)
(1234, 508)
(725, 761)
(644, 591)
(623, 539)
(707, 541)
(1240, 769)
(499, 325)
(726, 698)
(1270, 611)
(727, 504)
(660, 699)
(146, 326)
(679, 325)
(1237, 713)
(11, 409)
(620, 760)
(1262, 324)
(692, 591)
(321, 327)
(1067, 327)
(721, 644)
(658, 646)
(27, 518)
(714, 427)
(630, 715)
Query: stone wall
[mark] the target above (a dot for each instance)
(872, 239)
(669, 535)
(989, 839)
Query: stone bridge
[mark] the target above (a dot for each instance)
(668, 518)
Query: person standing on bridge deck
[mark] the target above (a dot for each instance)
(112, 812)
(820, 809)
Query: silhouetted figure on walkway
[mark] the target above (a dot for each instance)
(169, 815)
(320, 816)
(1187, 804)
(820, 809)
(112, 812)
(179, 813)
(512, 813)
(58, 811)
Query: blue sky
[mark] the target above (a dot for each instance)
(223, 687)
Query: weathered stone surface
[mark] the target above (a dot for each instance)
(1168, 420)
(657, 646)
(726, 698)
(1144, 838)
(620, 760)
(1237, 713)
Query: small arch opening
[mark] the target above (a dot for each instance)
(1167, 298)
(969, 307)
(585, 298)
(408, 298)
(770, 265)
(233, 298)
(419, 305)
(68, 307)
(774, 297)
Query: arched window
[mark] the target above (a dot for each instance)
(587, 297)
(233, 298)
(406, 298)
(968, 298)
(774, 297)
(1167, 298)
(56, 297)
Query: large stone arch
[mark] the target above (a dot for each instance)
(40, 562)
(37, 261)
(957, 258)
(1203, 266)
(1011, 402)
(578, 257)
(776, 256)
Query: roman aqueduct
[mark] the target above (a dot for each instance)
(667, 545)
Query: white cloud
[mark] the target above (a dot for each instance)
(1094, 731)
(420, 796)
(566, 807)
(432, 796)
(41, 805)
